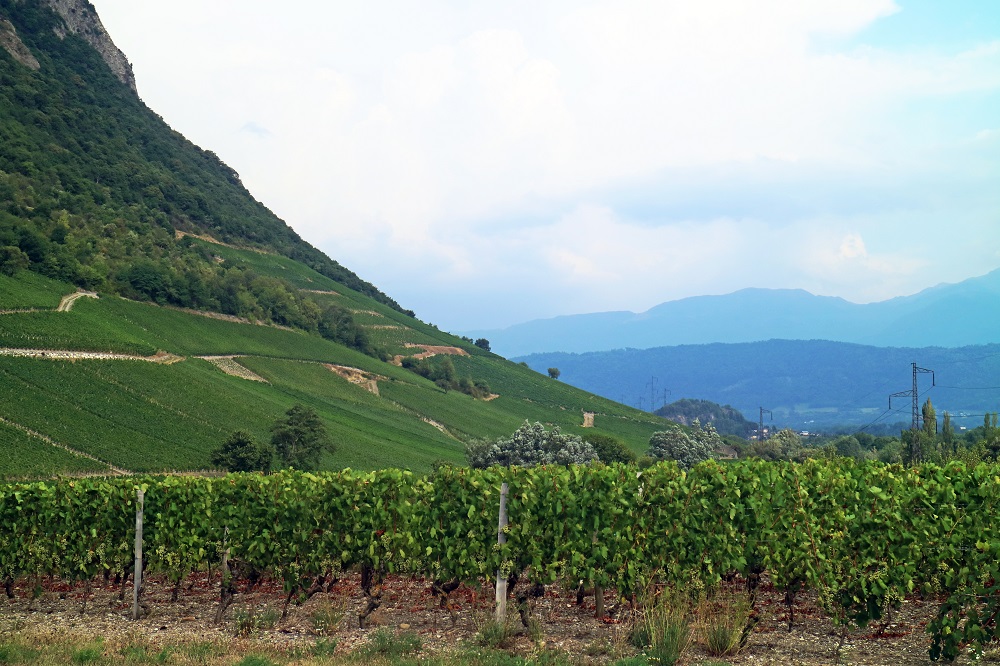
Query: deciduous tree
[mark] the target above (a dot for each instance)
(240, 453)
(300, 438)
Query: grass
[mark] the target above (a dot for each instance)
(250, 621)
(664, 630)
(388, 644)
(724, 621)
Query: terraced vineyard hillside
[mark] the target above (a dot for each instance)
(150, 305)
(117, 385)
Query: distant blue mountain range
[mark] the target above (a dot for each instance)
(949, 315)
(806, 384)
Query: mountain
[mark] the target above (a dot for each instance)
(150, 306)
(806, 384)
(950, 315)
(92, 180)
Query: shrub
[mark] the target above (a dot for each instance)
(608, 449)
(687, 450)
(531, 445)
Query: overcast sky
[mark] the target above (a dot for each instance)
(494, 162)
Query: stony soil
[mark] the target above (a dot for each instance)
(408, 605)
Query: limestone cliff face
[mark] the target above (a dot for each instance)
(81, 19)
(14, 46)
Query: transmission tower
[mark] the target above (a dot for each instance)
(914, 394)
(760, 427)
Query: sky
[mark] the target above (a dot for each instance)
(487, 164)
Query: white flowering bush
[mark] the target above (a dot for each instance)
(531, 444)
(687, 450)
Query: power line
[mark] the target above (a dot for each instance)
(972, 388)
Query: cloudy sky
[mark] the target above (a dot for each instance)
(494, 162)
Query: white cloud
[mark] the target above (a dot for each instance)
(435, 147)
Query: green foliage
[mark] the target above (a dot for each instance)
(784, 445)
(441, 371)
(686, 450)
(554, 373)
(300, 439)
(609, 449)
(861, 535)
(531, 445)
(240, 453)
(12, 260)
(929, 418)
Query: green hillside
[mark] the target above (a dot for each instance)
(97, 193)
(139, 415)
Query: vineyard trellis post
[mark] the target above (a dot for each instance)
(502, 539)
(137, 575)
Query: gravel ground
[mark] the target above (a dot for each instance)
(408, 605)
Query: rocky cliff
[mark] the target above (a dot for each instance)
(14, 46)
(80, 18)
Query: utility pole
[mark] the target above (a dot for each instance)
(914, 394)
(760, 427)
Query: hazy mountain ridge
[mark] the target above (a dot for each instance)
(801, 382)
(948, 315)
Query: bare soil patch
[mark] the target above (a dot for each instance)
(365, 380)
(230, 366)
(430, 350)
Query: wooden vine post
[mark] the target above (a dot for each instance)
(137, 575)
(502, 539)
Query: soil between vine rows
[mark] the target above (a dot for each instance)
(407, 604)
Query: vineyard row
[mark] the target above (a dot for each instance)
(861, 535)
